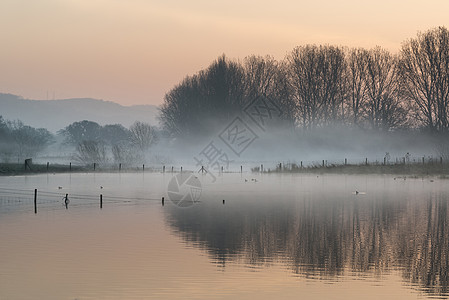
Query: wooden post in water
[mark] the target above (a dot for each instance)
(95, 166)
(441, 160)
(241, 169)
(70, 167)
(101, 201)
(119, 167)
(172, 169)
(301, 164)
(221, 169)
(143, 168)
(366, 161)
(35, 201)
(346, 161)
(323, 163)
(181, 169)
(163, 169)
(385, 159)
(163, 201)
(261, 168)
(47, 165)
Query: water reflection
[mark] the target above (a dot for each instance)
(325, 235)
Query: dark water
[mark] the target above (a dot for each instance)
(282, 236)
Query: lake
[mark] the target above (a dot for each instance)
(274, 236)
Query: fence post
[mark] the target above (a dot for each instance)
(35, 201)
(101, 201)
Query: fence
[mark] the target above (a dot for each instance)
(17, 199)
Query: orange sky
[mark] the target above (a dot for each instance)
(134, 51)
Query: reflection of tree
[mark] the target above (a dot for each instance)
(326, 238)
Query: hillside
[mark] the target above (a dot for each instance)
(57, 114)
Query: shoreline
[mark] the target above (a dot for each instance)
(407, 169)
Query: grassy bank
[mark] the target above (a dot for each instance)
(412, 169)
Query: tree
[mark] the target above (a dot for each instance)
(143, 136)
(264, 76)
(88, 152)
(207, 99)
(424, 66)
(356, 79)
(384, 109)
(114, 134)
(79, 132)
(316, 74)
(28, 141)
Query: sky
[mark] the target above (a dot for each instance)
(134, 51)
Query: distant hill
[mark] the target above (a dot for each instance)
(57, 114)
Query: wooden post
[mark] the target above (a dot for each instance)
(70, 167)
(119, 167)
(223, 201)
(181, 169)
(323, 163)
(66, 201)
(163, 169)
(385, 160)
(346, 161)
(172, 169)
(35, 201)
(101, 201)
(403, 159)
(143, 168)
(221, 169)
(163, 201)
(47, 165)
(301, 164)
(441, 160)
(95, 166)
(423, 160)
(261, 168)
(241, 169)
(366, 161)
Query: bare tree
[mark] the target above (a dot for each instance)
(88, 152)
(356, 80)
(384, 109)
(264, 76)
(424, 65)
(316, 74)
(143, 135)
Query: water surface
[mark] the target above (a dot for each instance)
(277, 236)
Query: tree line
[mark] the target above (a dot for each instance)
(322, 85)
(90, 141)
